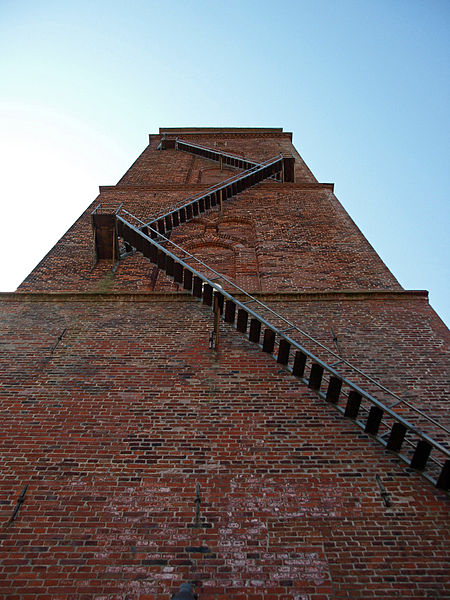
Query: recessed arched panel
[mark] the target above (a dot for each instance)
(221, 257)
(237, 229)
(215, 175)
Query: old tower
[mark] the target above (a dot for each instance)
(213, 378)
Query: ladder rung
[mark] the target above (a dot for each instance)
(299, 364)
(443, 481)
(396, 437)
(230, 311)
(374, 420)
(353, 404)
(170, 263)
(198, 287)
(255, 330)
(283, 352)
(178, 273)
(187, 281)
(421, 454)
(242, 318)
(269, 340)
(315, 377)
(207, 294)
(334, 389)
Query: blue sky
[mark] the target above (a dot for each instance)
(364, 86)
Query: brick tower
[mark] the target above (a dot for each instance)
(213, 379)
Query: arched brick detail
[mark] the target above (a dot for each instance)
(215, 174)
(237, 228)
(237, 234)
(218, 254)
(206, 241)
(193, 229)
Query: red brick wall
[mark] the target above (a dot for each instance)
(113, 430)
(296, 237)
(114, 427)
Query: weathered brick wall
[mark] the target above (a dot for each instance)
(287, 236)
(395, 338)
(114, 427)
(156, 181)
(113, 430)
(254, 146)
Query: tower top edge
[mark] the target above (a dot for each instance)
(204, 130)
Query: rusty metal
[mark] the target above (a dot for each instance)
(186, 592)
(383, 491)
(20, 501)
(60, 337)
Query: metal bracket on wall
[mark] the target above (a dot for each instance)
(20, 501)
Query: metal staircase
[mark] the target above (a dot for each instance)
(214, 196)
(411, 444)
(275, 335)
(225, 158)
(104, 221)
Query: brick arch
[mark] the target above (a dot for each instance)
(215, 174)
(215, 252)
(212, 240)
(227, 244)
(237, 228)
(192, 229)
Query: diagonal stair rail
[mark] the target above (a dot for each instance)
(398, 435)
(356, 373)
(198, 203)
(223, 158)
(387, 396)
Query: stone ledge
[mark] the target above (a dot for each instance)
(308, 296)
(219, 132)
(307, 185)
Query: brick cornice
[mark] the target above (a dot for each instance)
(309, 296)
(200, 187)
(226, 131)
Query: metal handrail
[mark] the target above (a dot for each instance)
(101, 204)
(219, 153)
(291, 325)
(329, 369)
(215, 188)
(216, 151)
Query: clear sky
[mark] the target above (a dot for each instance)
(363, 85)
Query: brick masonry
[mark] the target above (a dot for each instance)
(114, 424)
(296, 238)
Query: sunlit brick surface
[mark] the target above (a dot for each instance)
(113, 407)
